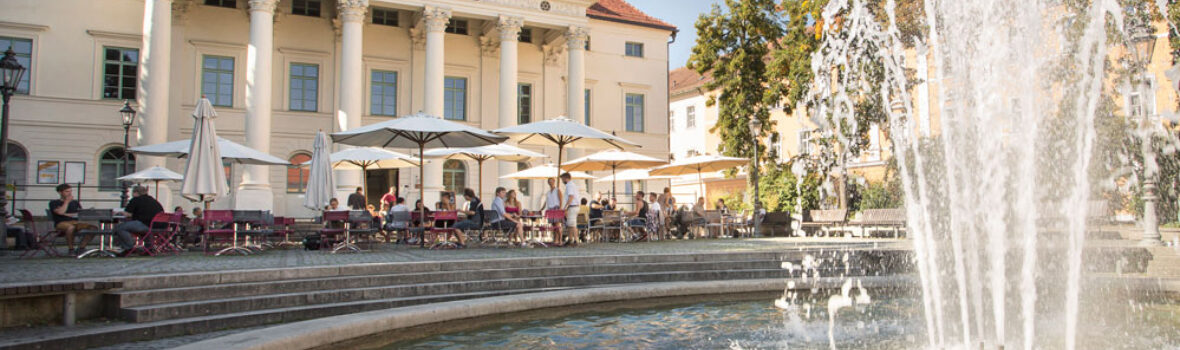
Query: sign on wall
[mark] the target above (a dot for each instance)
(75, 172)
(48, 171)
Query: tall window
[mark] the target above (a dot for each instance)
(385, 17)
(17, 163)
(383, 93)
(634, 49)
(586, 107)
(110, 167)
(24, 55)
(455, 98)
(634, 112)
(454, 176)
(525, 36)
(222, 3)
(690, 120)
(306, 7)
(119, 73)
(217, 80)
(523, 185)
(304, 87)
(805, 142)
(587, 47)
(671, 120)
(298, 172)
(524, 103)
(776, 145)
(228, 167)
(456, 26)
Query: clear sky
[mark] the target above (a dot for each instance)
(682, 14)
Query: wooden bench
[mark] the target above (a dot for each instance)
(876, 219)
(776, 221)
(825, 221)
(17, 298)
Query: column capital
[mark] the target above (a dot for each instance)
(352, 10)
(267, 6)
(436, 18)
(575, 37)
(509, 27)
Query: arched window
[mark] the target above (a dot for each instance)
(454, 176)
(17, 164)
(110, 167)
(298, 172)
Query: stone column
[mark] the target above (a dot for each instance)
(352, 16)
(575, 41)
(155, 67)
(509, 28)
(435, 20)
(255, 193)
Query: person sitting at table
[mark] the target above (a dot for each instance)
(422, 209)
(655, 213)
(505, 221)
(721, 206)
(141, 210)
(474, 213)
(444, 204)
(639, 216)
(511, 204)
(595, 206)
(64, 213)
(333, 205)
(611, 204)
(699, 209)
(178, 209)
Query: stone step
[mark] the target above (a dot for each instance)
(179, 310)
(76, 338)
(125, 299)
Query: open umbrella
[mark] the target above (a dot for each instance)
(371, 157)
(421, 131)
(542, 172)
(563, 132)
(319, 179)
(633, 175)
(612, 160)
(155, 174)
(230, 151)
(204, 178)
(698, 165)
(483, 153)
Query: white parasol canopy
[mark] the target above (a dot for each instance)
(484, 153)
(613, 160)
(542, 172)
(700, 164)
(319, 180)
(154, 174)
(371, 157)
(204, 177)
(633, 175)
(230, 151)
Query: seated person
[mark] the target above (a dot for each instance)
(511, 204)
(445, 204)
(64, 213)
(721, 206)
(420, 210)
(505, 221)
(596, 206)
(654, 213)
(24, 238)
(141, 210)
(474, 213)
(639, 215)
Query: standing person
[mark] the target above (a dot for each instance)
(573, 198)
(141, 210)
(64, 211)
(552, 201)
(356, 200)
(505, 221)
(655, 214)
(389, 198)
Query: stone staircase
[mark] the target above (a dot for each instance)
(154, 307)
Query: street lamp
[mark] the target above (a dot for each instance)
(1143, 42)
(756, 131)
(128, 114)
(10, 75)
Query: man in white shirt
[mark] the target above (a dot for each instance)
(552, 200)
(573, 200)
(401, 206)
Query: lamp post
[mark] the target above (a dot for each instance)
(128, 115)
(756, 131)
(10, 72)
(1143, 42)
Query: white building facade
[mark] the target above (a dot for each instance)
(279, 70)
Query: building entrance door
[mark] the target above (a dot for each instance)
(377, 184)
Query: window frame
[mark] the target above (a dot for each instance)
(374, 101)
(222, 3)
(122, 64)
(629, 118)
(524, 103)
(27, 78)
(454, 174)
(383, 16)
(449, 101)
(586, 106)
(308, 9)
(292, 78)
(633, 49)
(525, 35)
(119, 169)
(304, 170)
(216, 100)
(690, 117)
(523, 186)
(13, 168)
(457, 26)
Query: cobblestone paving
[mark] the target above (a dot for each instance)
(16, 270)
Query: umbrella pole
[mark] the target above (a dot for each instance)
(480, 162)
(613, 179)
(701, 183)
(365, 185)
(157, 189)
(557, 180)
(422, 192)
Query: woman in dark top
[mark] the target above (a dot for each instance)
(418, 208)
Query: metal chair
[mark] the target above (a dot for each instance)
(105, 219)
(220, 223)
(42, 242)
(446, 218)
(335, 225)
(360, 224)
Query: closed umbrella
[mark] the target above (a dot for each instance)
(230, 151)
(204, 177)
(319, 179)
(371, 157)
(482, 153)
(613, 160)
(421, 131)
(542, 172)
(698, 165)
(563, 132)
(155, 174)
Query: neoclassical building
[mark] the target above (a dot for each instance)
(279, 70)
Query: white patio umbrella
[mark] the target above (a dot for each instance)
(563, 132)
(204, 178)
(700, 164)
(612, 160)
(155, 174)
(633, 175)
(371, 157)
(319, 179)
(230, 151)
(421, 131)
(484, 153)
(542, 172)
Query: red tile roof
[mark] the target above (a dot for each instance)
(682, 80)
(621, 11)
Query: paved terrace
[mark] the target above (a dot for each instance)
(19, 271)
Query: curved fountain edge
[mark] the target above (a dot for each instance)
(329, 330)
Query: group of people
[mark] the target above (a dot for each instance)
(138, 214)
